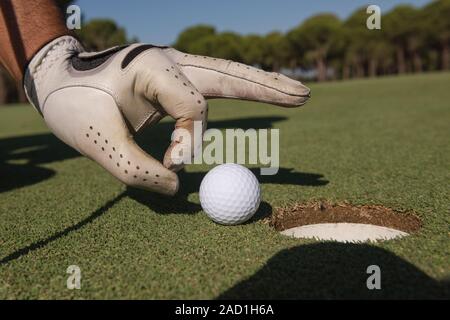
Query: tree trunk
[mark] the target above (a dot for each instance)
(373, 67)
(345, 71)
(445, 56)
(359, 70)
(417, 61)
(401, 63)
(321, 70)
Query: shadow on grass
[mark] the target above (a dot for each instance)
(163, 204)
(190, 183)
(32, 152)
(337, 271)
(180, 205)
(35, 150)
(42, 243)
(40, 149)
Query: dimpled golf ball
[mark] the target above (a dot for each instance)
(230, 194)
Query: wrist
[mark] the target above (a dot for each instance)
(25, 27)
(42, 67)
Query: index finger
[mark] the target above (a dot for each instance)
(219, 78)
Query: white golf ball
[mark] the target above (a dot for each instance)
(230, 194)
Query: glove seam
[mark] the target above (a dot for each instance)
(137, 59)
(104, 89)
(126, 71)
(213, 95)
(245, 79)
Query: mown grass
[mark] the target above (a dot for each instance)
(383, 141)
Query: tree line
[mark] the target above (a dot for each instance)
(323, 47)
(410, 40)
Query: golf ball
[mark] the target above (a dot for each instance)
(230, 194)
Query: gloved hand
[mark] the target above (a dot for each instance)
(96, 102)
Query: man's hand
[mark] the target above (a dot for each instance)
(96, 102)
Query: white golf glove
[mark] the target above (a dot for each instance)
(96, 102)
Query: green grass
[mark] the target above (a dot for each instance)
(383, 141)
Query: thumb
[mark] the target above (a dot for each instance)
(93, 125)
(186, 143)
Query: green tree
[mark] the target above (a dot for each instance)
(100, 34)
(367, 51)
(188, 37)
(436, 17)
(316, 38)
(252, 49)
(277, 51)
(226, 45)
(403, 29)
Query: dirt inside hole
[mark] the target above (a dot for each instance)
(324, 212)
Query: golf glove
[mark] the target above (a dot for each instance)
(96, 102)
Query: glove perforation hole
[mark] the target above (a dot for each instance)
(92, 128)
(176, 76)
(87, 135)
(129, 163)
(110, 156)
(137, 168)
(106, 141)
(95, 141)
(98, 133)
(126, 171)
(135, 176)
(144, 180)
(156, 182)
(167, 70)
(103, 148)
(114, 149)
(121, 156)
(157, 175)
(118, 164)
(192, 92)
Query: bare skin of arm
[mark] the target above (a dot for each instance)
(25, 27)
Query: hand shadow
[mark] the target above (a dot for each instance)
(31, 151)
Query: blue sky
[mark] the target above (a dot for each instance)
(160, 22)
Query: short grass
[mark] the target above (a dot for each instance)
(383, 141)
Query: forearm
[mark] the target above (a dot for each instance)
(25, 27)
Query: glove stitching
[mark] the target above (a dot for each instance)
(214, 95)
(245, 79)
(50, 50)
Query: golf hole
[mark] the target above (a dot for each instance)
(343, 222)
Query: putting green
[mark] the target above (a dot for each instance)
(382, 141)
